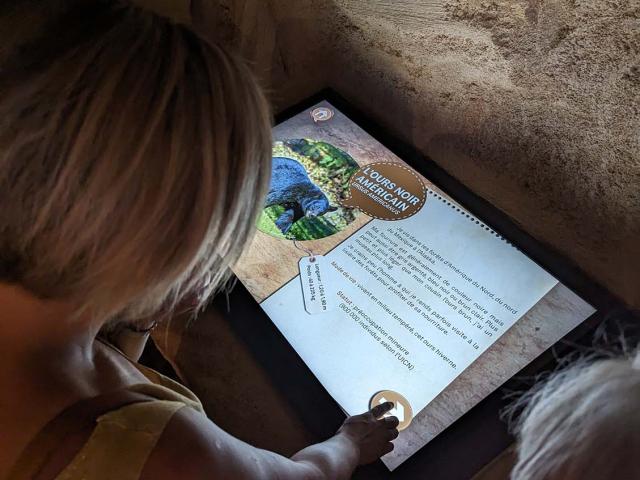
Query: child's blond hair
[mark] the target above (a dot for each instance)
(134, 158)
(583, 423)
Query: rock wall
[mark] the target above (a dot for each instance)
(533, 105)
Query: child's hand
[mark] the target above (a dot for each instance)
(371, 434)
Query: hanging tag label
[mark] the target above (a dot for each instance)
(316, 284)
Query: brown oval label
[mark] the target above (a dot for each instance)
(386, 191)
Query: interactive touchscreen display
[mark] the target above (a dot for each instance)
(387, 288)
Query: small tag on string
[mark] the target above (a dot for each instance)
(317, 287)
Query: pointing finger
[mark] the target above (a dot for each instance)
(381, 409)
(391, 422)
(393, 434)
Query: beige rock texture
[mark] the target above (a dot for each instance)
(532, 105)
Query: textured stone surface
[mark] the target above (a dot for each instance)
(533, 105)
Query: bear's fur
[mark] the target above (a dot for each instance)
(292, 188)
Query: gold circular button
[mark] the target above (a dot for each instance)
(401, 406)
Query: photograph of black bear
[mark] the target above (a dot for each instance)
(308, 181)
(292, 188)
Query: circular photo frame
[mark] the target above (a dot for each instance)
(309, 181)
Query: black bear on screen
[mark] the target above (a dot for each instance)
(292, 188)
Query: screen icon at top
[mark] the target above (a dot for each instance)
(321, 114)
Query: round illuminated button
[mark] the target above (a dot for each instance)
(321, 114)
(401, 407)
